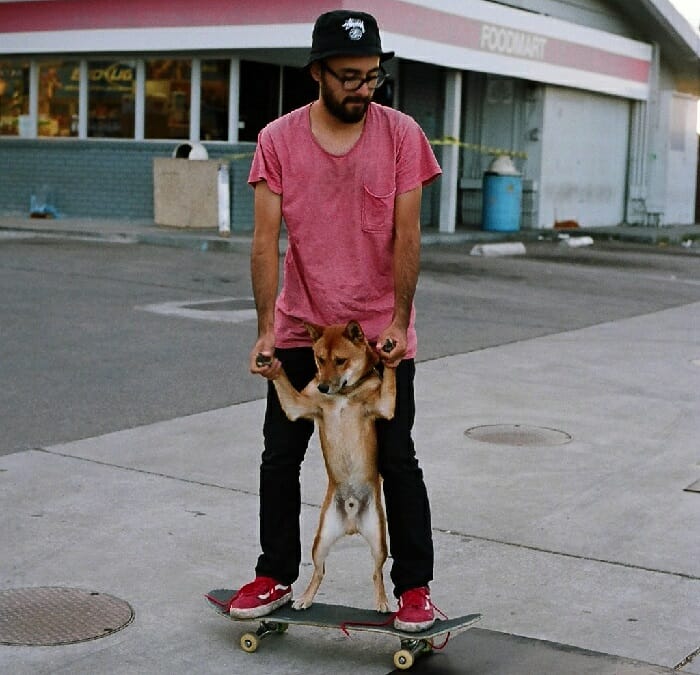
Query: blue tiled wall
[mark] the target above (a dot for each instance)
(106, 179)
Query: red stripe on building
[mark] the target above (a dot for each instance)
(437, 26)
(393, 15)
(58, 15)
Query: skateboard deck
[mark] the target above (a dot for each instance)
(343, 618)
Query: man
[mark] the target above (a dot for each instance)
(346, 175)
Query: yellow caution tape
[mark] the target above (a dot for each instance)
(480, 149)
(445, 140)
(237, 156)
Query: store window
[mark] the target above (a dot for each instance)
(168, 98)
(215, 95)
(111, 90)
(14, 97)
(298, 87)
(59, 84)
(260, 95)
(259, 98)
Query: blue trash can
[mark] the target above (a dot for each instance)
(502, 199)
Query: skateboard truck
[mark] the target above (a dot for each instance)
(250, 642)
(404, 658)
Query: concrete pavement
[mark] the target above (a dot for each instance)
(561, 515)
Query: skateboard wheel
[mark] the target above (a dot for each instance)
(403, 659)
(249, 642)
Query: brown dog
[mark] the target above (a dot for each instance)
(345, 398)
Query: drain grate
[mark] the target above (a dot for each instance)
(59, 616)
(518, 435)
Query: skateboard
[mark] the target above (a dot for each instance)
(413, 645)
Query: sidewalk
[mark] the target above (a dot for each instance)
(146, 232)
(582, 556)
(578, 544)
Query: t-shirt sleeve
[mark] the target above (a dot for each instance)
(266, 165)
(416, 164)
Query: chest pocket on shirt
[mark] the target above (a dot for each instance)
(378, 211)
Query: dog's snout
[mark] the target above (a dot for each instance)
(324, 387)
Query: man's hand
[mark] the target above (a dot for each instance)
(392, 345)
(263, 361)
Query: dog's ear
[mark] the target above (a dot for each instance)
(353, 331)
(314, 331)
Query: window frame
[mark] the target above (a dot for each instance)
(83, 61)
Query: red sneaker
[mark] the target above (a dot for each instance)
(258, 598)
(415, 610)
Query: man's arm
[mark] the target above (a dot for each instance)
(264, 273)
(406, 268)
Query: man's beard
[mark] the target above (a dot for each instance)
(342, 110)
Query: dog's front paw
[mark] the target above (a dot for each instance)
(301, 603)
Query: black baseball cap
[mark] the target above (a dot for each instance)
(344, 32)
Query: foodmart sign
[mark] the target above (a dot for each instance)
(512, 42)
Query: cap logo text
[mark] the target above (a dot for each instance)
(355, 28)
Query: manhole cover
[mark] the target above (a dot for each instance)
(226, 310)
(517, 434)
(59, 616)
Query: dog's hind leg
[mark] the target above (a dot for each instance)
(372, 526)
(330, 529)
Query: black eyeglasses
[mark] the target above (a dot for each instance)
(354, 83)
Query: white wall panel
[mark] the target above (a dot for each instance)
(682, 161)
(584, 158)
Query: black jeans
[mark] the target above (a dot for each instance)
(405, 495)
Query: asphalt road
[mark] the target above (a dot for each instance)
(79, 356)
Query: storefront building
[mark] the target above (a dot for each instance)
(595, 100)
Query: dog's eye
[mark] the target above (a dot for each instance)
(320, 360)
(340, 362)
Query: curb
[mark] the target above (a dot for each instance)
(686, 236)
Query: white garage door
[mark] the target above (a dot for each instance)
(584, 158)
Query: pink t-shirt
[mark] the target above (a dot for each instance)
(339, 215)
